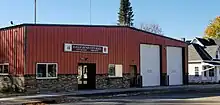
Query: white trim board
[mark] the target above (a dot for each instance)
(47, 71)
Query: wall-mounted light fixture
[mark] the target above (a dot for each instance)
(85, 59)
(132, 61)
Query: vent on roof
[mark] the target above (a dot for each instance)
(183, 39)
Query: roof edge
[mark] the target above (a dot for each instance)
(31, 24)
(157, 34)
(10, 27)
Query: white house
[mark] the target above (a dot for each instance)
(204, 60)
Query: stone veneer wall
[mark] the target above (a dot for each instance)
(63, 83)
(194, 79)
(68, 83)
(8, 83)
(5, 83)
(105, 82)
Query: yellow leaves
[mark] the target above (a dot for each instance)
(213, 29)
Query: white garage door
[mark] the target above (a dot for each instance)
(150, 64)
(174, 65)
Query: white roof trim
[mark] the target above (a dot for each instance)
(205, 63)
(198, 42)
(213, 66)
(200, 61)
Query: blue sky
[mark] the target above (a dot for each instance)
(178, 18)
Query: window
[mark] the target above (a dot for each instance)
(114, 70)
(211, 73)
(205, 73)
(196, 71)
(46, 70)
(4, 68)
(218, 53)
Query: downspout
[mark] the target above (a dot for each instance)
(24, 55)
(25, 48)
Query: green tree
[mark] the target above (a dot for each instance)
(213, 29)
(125, 14)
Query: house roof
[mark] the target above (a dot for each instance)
(211, 41)
(106, 26)
(206, 42)
(213, 63)
(188, 41)
(196, 52)
(212, 50)
(206, 52)
(217, 41)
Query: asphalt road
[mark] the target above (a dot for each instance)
(165, 99)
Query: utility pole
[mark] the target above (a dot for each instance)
(35, 11)
(90, 12)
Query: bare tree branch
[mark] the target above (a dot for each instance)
(154, 28)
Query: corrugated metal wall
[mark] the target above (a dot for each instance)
(7, 49)
(45, 44)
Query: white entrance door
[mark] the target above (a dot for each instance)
(150, 64)
(175, 65)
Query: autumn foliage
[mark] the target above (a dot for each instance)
(213, 29)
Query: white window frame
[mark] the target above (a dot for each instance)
(212, 73)
(218, 53)
(47, 71)
(3, 66)
(116, 72)
(196, 71)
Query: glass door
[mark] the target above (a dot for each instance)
(82, 74)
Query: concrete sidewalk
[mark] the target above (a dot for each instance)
(84, 93)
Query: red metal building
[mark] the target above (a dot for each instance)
(33, 51)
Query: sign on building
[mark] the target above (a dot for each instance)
(85, 48)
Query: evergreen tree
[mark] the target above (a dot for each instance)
(125, 15)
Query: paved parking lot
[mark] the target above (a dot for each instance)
(159, 99)
(165, 99)
(177, 95)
